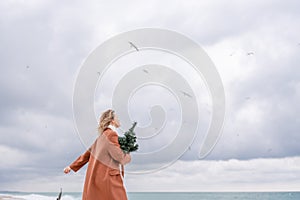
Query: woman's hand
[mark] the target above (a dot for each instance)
(67, 169)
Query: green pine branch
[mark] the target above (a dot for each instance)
(128, 141)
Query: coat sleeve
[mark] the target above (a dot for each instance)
(81, 161)
(115, 151)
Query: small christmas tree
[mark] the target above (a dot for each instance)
(128, 142)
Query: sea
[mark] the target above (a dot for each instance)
(161, 196)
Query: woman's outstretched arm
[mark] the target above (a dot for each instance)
(79, 162)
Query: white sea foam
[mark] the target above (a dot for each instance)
(37, 197)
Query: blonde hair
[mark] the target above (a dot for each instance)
(105, 119)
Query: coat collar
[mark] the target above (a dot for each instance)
(113, 128)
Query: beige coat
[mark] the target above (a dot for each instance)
(103, 179)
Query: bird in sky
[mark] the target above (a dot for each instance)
(146, 71)
(132, 45)
(250, 53)
(186, 94)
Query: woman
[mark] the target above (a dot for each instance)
(103, 176)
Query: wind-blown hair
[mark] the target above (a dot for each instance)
(105, 120)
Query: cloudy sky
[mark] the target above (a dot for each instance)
(254, 45)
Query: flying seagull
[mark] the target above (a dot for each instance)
(132, 45)
(59, 195)
(250, 53)
(146, 71)
(186, 94)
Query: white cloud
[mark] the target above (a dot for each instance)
(202, 175)
(226, 175)
(12, 157)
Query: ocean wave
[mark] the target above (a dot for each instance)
(34, 196)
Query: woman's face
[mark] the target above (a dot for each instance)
(116, 121)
